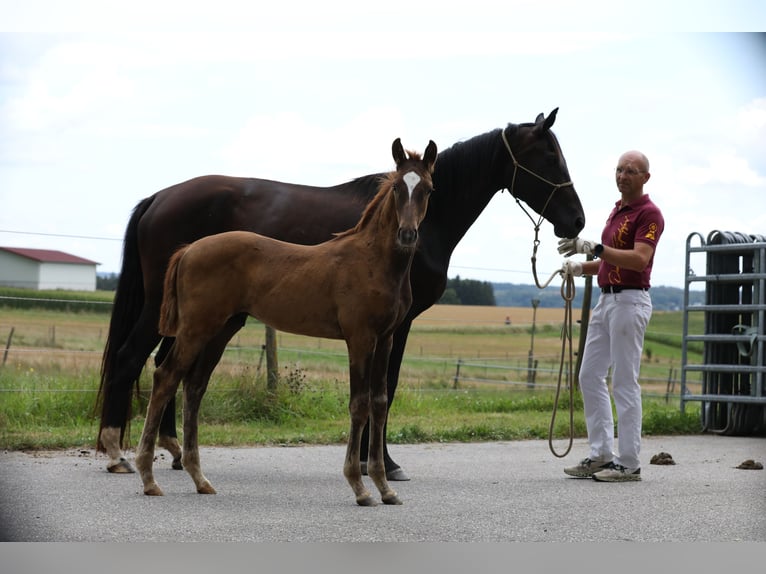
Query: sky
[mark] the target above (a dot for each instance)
(104, 103)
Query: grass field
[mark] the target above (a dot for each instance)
(50, 372)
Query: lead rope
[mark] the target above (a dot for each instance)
(567, 293)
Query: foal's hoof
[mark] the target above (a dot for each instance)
(366, 500)
(392, 498)
(153, 490)
(177, 464)
(122, 466)
(206, 488)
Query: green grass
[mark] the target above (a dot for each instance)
(48, 410)
(59, 300)
(48, 389)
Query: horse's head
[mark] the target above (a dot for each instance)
(538, 175)
(412, 186)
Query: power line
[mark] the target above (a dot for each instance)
(60, 235)
(494, 269)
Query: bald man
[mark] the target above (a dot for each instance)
(615, 339)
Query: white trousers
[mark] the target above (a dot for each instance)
(615, 339)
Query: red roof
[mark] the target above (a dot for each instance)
(47, 255)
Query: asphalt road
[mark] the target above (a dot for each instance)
(483, 492)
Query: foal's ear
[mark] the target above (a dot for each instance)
(398, 151)
(430, 156)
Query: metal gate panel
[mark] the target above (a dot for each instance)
(733, 367)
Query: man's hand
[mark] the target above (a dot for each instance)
(573, 268)
(568, 247)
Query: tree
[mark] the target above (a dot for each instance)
(107, 281)
(468, 292)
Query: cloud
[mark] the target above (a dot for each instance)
(73, 82)
(290, 147)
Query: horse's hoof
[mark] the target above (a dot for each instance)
(366, 500)
(392, 499)
(206, 489)
(120, 467)
(177, 464)
(153, 490)
(397, 474)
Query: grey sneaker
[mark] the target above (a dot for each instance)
(617, 473)
(587, 467)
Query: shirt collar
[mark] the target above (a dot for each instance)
(644, 199)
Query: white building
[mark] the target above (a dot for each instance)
(46, 269)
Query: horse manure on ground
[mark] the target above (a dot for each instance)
(662, 458)
(750, 464)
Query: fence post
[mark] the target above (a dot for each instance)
(457, 372)
(8, 345)
(272, 366)
(671, 386)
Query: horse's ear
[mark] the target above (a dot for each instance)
(430, 156)
(549, 120)
(398, 151)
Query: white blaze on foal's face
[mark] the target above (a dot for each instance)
(412, 180)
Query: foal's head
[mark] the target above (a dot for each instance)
(411, 185)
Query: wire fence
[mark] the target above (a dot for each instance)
(73, 341)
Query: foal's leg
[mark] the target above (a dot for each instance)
(359, 408)
(378, 409)
(199, 374)
(168, 438)
(194, 389)
(393, 470)
(166, 379)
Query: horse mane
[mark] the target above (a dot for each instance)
(385, 181)
(457, 165)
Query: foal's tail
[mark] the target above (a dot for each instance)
(169, 309)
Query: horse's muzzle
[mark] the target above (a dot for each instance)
(407, 236)
(569, 227)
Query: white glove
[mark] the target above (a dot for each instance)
(568, 247)
(573, 268)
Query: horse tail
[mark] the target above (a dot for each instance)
(169, 308)
(126, 308)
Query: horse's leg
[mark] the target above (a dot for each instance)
(359, 355)
(168, 438)
(393, 471)
(129, 362)
(378, 410)
(166, 380)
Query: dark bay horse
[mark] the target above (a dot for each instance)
(524, 158)
(355, 287)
